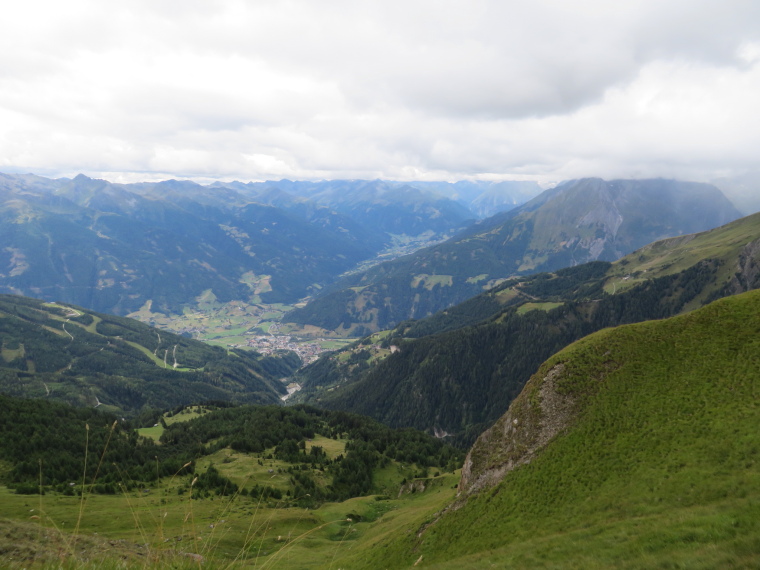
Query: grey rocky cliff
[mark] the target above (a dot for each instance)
(747, 275)
(532, 421)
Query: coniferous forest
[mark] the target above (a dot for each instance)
(54, 447)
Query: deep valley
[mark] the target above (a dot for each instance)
(377, 374)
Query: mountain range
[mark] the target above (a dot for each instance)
(603, 379)
(576, 222)
(114, 247)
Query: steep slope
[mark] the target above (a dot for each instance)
(69, 354)
(502, 197)
(635, 447)
(574, 223)
(456, 372)
(733, 246)
(483, 198)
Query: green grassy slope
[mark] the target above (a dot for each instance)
(726, 244)
(658, 464)
(67, 353)
(162, 529)
(676, 254)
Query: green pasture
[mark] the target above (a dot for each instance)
(149, 527)
(506, 295)
(430, 281)
(522, 309)
(674, 255)
(11, 354)
(477, 278)
(334, 343)
(186, 414)
(246, 470)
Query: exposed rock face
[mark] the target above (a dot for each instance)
(747, 276)
(533, 419)
(414, 486)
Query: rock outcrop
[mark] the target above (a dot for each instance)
(532, 421)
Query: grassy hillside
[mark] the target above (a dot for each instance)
(734, 244)
(655, 461)
(733, 247)
(69, 354)
(162, 529)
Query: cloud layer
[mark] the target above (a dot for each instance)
(418, 89)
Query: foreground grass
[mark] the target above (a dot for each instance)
(159, 528)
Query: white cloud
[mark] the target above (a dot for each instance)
(415, 89)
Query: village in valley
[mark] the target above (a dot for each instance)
(249, 326)
(309, 351)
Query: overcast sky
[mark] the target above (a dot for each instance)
(439, 90)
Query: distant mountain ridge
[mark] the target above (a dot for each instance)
(573, 223)
(395, 209)
(114, 247)
(481, 198)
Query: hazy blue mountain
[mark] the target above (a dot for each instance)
(502, 197)
(485, 198)
(576, 222)
(390, 207)
(109, 248)
(743, 190)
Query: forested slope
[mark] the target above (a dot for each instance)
(69, 354)
(461, 380)
(45, 447)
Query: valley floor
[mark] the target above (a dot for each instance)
(238, 324)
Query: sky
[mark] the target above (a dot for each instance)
(542, 90)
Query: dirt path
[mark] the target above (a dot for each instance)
(63, 326)
(71, 313)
